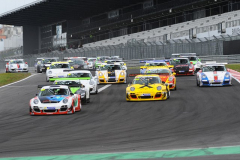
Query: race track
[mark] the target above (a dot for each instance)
(192, 118)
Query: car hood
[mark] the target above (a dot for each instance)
(52, 99)
(220, 75)
(144, 89)
(21, 65)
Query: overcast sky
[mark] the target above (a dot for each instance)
(8, 5)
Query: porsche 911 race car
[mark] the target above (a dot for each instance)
(77, 63)
(182, 66)
(214, 74)
(44, 63)
(16, 65)
(147, 88)
(111, 73)
(77, 88)
(117, 61)
(152, 64)
(85, 77)
(166, 76)
(55, 99)
(56, 70)
(192, 58)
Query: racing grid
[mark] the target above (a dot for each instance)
(192, 118)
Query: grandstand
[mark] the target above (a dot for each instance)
(76, 25)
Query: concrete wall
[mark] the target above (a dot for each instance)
(30, 39)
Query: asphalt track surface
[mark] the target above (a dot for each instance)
(192, 118)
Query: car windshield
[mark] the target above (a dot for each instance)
(16, 62)
(78, 75)
(144, 80)
(156, 64)
(192, 58)
(59, 65)
(159, 71)
(77, 61)
(53, 91)
(213, 68)
(46, 61)
(67, 82)
(179, 61)
(110, 67)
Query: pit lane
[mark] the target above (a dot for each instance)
(192, 118)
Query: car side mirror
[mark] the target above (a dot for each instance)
(26, 63)
(71, 94)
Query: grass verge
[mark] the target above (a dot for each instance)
(7, 78)
(235, 67)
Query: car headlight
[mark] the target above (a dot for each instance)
(132, 89)
(204, 76)
(159, 88)
(227, 75)
(122, 73)
(170, 79)
(100, 74)
(36, 101)
(49, 72)
(65, 101)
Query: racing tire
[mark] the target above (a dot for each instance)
(88, 100)
(168, 94)
(96, 90)
(197, 83)
(38, 70)
(175, 88)
(84, 101)
(47, 80)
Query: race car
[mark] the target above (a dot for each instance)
(56, 70)
(16, 65)
(77, 62)
(166, 76)
(100, 60)
(85, 77)
(44, 63)
(91, 63)
(117, 61)
(111, 73)
(194, 59)
(147, 88)
(55, 99)
(214, 74)
(182, 66)
(76, 87)
(152, 64)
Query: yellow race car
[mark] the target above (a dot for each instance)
(153, 64)
(147, 88)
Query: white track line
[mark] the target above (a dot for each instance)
(17, 81)
(235, 75)
(103, 88)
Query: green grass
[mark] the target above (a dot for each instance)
(7, 78)
(235, 67)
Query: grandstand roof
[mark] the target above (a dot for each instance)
(51, 11)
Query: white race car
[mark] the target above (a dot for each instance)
(56, 70)
(214, 74)
(85, 77)
(111, 73)
(55, 99)
(16, 65)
